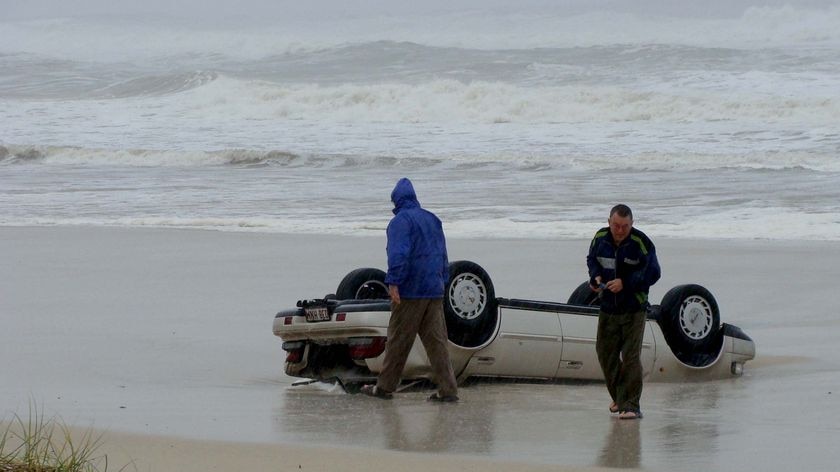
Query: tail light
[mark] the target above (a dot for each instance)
(365, 348)
(294, 351)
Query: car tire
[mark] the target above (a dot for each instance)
(690, 316)
(584, 296)
(469, 306)
(363, 284)
(470, 295)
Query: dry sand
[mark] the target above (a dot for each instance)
(163, 339)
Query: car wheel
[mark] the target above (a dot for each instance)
(363, 284)
(691, 315)
(469, 297)
(469, 306)
(584, 296)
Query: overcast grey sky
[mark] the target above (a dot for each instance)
(289, 9)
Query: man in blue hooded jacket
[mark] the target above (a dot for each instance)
(418, 270)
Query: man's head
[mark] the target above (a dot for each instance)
(621, 222)
(403, 194)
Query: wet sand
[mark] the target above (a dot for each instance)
(163, 337)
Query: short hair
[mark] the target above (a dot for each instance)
(622, 210)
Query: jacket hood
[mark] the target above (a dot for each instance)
(403, 195)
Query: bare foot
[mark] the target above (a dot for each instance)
(630, 415)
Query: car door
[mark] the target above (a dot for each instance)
(579, 359)
(528, 346)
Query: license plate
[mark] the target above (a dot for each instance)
(317, 313)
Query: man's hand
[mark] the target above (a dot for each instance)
(615, 285)
(394, 292)
(597, 286)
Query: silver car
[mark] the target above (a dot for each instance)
(342, 337)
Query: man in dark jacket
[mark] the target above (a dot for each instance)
(418, 270)
(622, 267)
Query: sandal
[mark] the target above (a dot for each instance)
(613, 407)
(374, 391)
(443, 399)
(630, 415)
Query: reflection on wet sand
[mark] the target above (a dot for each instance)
(681, 432)
(623, 445)
(442, 428)
(685, 425)
(552, 422)
(403, 424)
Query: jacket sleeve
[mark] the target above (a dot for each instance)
(652, 271)
(642, 279)
(398, 249)
(592, 261)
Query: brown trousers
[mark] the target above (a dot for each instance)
(619, 348)
(410, 318)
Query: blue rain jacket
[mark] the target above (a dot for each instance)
(417, 259)
(633, 261)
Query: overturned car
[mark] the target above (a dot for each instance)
(343, 336)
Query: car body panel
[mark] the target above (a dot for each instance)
(531, 340)
(580, 359)
(536, 333)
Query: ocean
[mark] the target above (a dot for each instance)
(511, 123)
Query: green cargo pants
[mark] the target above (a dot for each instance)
(619, 348)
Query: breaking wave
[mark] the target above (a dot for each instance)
(58, 155)
(151, 85)
(450, 101)
(663, 162)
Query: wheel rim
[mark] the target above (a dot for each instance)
(467, 296)
(372, 289)
(696, 317)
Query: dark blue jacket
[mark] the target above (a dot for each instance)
(633, 261)
(417, 260)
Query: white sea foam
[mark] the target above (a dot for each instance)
(227, 107)
(447, 101)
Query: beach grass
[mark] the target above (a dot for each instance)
(38, 443)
